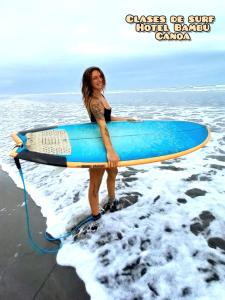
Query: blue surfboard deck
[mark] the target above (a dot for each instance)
(81, 145)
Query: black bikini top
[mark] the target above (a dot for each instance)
(107, 115)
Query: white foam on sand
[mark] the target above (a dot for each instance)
(156, 247)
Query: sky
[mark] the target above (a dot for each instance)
(43, 41)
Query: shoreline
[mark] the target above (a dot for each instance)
(25, 274)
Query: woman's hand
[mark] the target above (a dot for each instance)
(113, 159)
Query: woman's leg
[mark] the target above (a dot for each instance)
(95, 182)
(111, 180)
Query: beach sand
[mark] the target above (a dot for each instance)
(25, 274)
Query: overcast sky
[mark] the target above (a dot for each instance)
(43, 30)
(37, 36)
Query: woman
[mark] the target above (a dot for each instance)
(99, 110)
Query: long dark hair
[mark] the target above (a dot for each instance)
(87, 90)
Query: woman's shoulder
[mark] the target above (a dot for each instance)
(95, 101)
(96, 105)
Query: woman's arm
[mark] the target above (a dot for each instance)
(122, 119)
(98, 111)
(119, 119)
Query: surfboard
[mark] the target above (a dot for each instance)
(81, 145)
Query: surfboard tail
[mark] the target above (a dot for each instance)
(17, 139)
(18, 142)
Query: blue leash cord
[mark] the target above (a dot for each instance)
(48, 237)
(34, 245)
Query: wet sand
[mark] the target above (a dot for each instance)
(24, 274)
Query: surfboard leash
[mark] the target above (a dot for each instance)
(48, 237)
(74, 230)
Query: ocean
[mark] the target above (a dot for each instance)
(168, 242)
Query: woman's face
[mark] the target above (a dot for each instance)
(96, 80)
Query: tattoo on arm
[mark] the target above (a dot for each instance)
(97, 110)
(107, 134)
